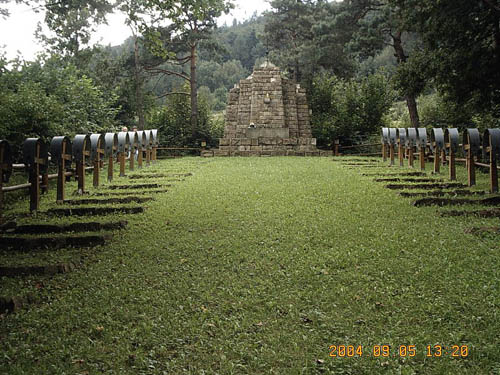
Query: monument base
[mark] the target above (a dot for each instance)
(267, 146)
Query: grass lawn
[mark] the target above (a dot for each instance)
(264, 266)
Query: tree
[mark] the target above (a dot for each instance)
(135, 11)
(4, 12)
(73, 22)
(348, 108)
(303, 38)
(215, 75)
(192, 21)
(50, 97)
(287, 30)
(375, 24)
(170, 120)
(461, 47)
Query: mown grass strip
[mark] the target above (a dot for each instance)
(258, 266)
(94, 211)
(123, 200)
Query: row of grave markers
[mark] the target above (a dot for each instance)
(444, 145)
(84, 150)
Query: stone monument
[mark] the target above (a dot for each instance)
(267, 115)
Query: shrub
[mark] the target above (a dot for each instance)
(173, 121)
(348, 109)
(48, 98)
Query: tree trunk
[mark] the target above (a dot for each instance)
(411, 101)
(138, 86)
(194, 93)
(297, 72)
(497, 36)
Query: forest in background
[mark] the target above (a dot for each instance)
(365, 64)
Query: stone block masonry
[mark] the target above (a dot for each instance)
(267, 115)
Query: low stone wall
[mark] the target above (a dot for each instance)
(227, 153)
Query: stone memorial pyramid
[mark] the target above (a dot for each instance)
(267, 115)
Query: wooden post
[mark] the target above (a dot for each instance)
(148, 156)
(97, 170)
(61, 178)
(132, 157)
(140, 157)
(471, 167)
(452, 166)
(422, 158)
(411, 157)
(121, 157)
(110, 167)
(437, 162)
(34, 179)
(401, 154)
(2, 166)
(45, 182)
(80, 171)
(97, 163)
(337, 147)
(1, 193)
(391, 152)
(443, 156)
(384, 151)
(493, 172)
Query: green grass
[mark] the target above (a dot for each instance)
(257, 266)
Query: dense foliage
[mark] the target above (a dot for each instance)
(50, 97)
(348, 109)
(170, 120)
(439, 59)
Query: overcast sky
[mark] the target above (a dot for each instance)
(17, 31)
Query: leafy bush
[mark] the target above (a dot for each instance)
(49, 98)
(436, 110)
(173, 121)
(348, 109)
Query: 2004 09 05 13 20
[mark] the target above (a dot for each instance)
(383, 351)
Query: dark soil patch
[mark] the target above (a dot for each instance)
(483, 230)
(129, 187)
(403, 174)
(482, 213)
(148, 176)
(108, 201)
(440, 193)
(359, 164)
(425, 186)
(75, 228)
(356, 160)
(118, 193)
(37, 270)
(408, 180)
(91, 211)
(364, 166)
(13, 304)
(53, 243)
(493, 201)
